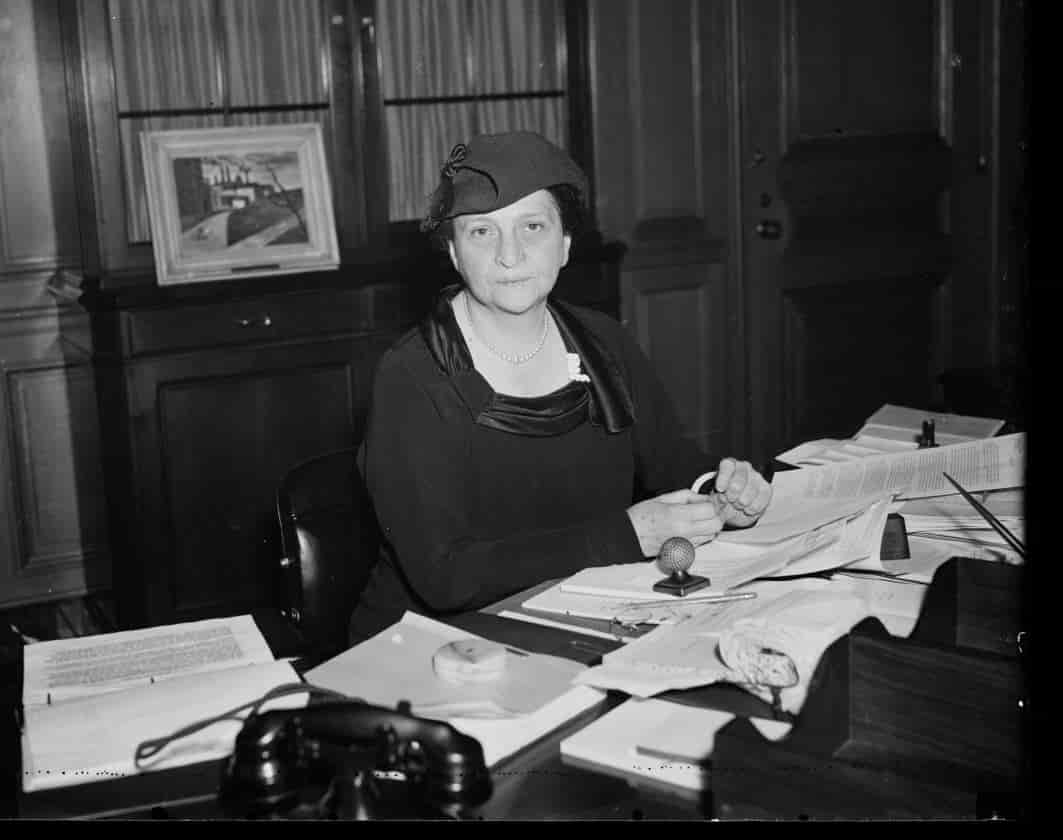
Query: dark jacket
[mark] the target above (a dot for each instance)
(480, 495)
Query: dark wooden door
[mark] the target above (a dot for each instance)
(843, 166)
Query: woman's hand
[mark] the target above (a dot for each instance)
(681, 513)
(744, 492)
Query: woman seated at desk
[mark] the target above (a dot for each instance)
(513, 438)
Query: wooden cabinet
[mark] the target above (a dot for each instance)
(205, 403)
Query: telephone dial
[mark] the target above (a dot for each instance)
(352, 760)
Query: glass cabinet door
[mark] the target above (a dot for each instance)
(195, 64)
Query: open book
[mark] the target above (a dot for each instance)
(89, 702)
(892, 429)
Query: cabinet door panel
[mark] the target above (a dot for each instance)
(51, 508)
(214, 434)
(244, 432)
(678, 314)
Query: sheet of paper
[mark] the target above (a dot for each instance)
(663, 742)
(625, 591)
(800, 618)
(895, 602)
(832, 451)
(502, 738)
(930, 554)
(793, 514)
(65, 668)
(988, 464)
(400, 662)
(95, 737)
(1001, 503)
(632, 581)
(612, 742)
(556, 601)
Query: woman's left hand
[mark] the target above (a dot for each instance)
(744, 492)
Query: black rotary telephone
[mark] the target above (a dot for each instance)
(351, 760)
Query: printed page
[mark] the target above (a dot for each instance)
(95, 738)
(990, 464)
(59, 670)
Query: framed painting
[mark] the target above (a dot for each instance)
(238, 202)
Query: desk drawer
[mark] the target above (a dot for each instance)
(254, 320)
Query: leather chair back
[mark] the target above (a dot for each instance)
(330, 540)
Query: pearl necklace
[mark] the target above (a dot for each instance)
(508, 357)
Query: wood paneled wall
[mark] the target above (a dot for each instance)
(52, 538)
(663, 123)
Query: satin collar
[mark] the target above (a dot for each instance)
(604, 400)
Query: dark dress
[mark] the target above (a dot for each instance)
(480, 495)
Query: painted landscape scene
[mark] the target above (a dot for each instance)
(231, 202)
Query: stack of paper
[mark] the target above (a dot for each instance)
(90, 701)
(534, 695)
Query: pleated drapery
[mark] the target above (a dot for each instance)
(464, 51)
(194, 55)
(448, 69)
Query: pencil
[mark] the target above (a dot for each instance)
(705, 599)
(987, 515)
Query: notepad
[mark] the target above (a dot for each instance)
(663, 743)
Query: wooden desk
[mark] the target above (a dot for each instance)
(536, 783)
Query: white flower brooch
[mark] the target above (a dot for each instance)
(574, 372)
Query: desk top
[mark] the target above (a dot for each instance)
(532, 784)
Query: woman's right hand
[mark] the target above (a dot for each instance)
(681, 513)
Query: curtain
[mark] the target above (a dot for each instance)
(164, 54)
(456, 48)
(273, 52)
(166, 59)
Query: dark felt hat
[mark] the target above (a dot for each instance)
(494, 170)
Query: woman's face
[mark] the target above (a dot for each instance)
(510, 258)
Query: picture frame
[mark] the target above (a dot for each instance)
(234, 202)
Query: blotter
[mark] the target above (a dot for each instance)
(534, 695)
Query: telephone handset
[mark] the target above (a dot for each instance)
(352, 760)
